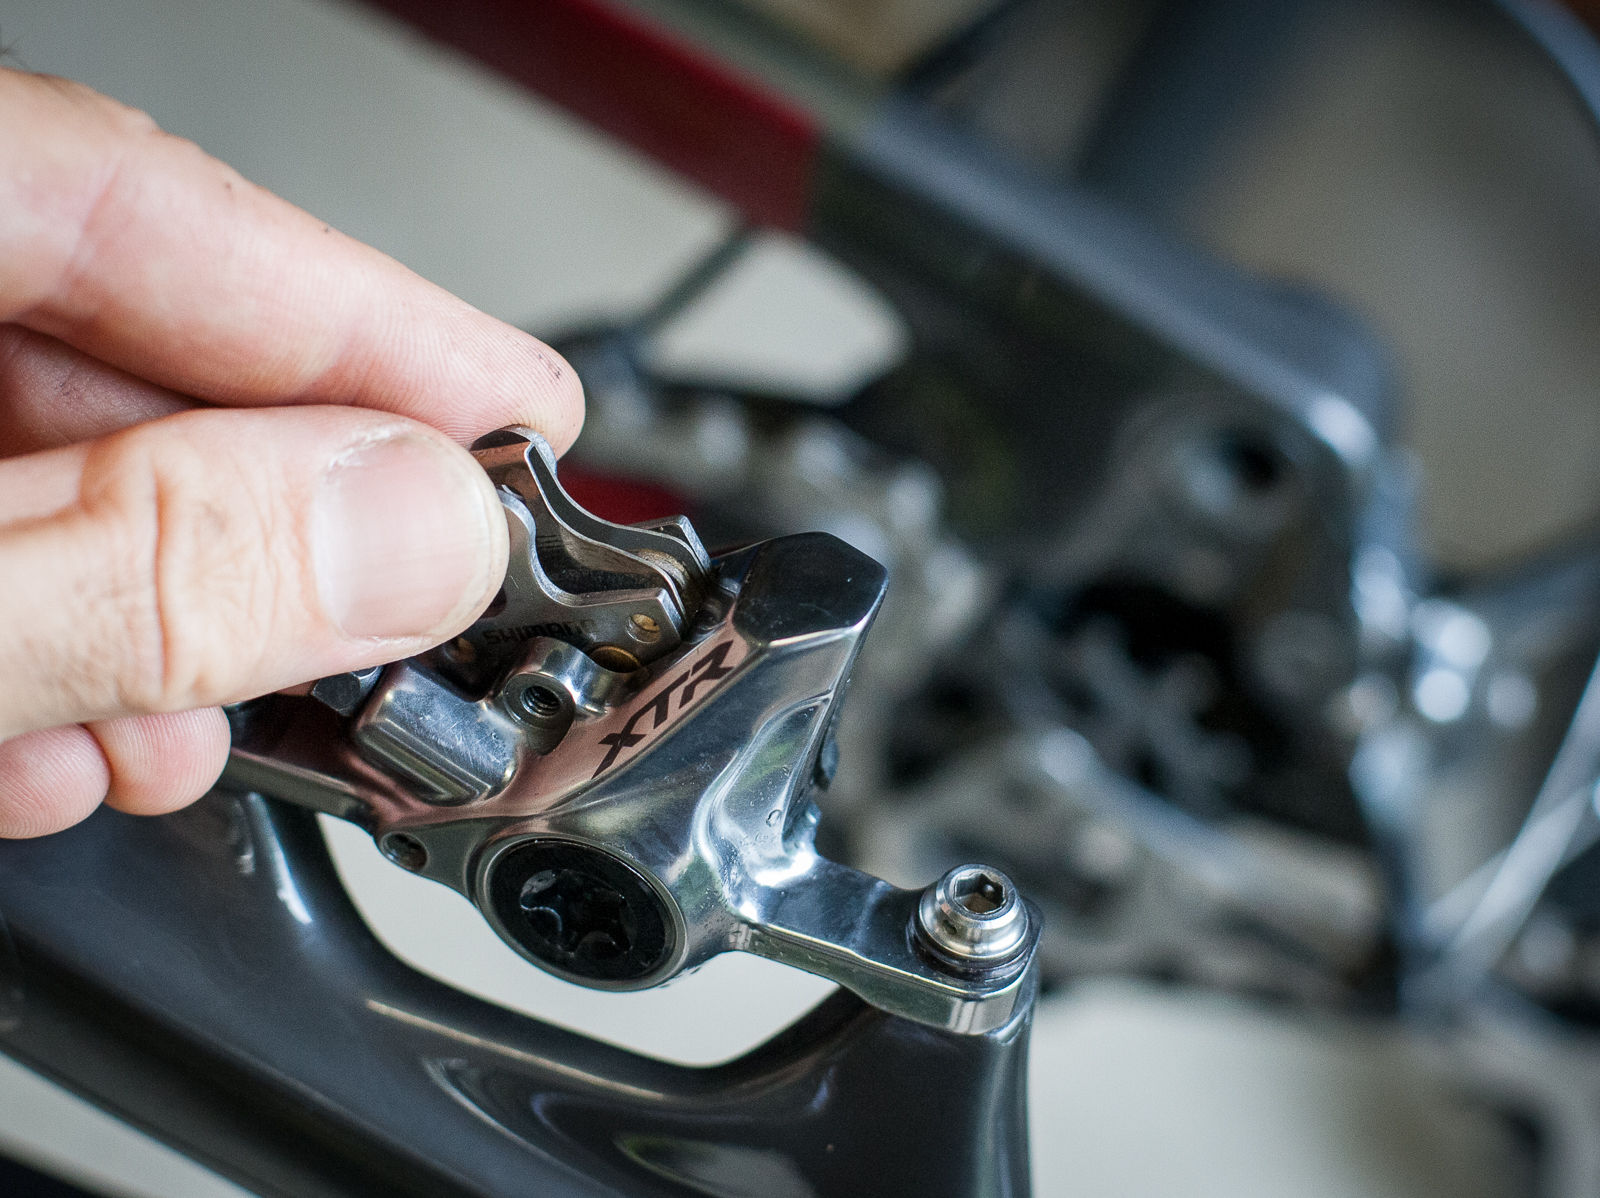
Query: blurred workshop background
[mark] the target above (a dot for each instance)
(1404, 156)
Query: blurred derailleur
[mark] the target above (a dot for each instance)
(1199, 708)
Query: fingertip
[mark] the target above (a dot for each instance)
(212, 556)
(502, 376)
(560, 414)
(159, 763)
(49, 780)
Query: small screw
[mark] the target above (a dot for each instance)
(405, 850)
(461, 650)
(644, 628)
(975, 914)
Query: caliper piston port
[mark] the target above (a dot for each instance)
(975, 916)
(580, 912)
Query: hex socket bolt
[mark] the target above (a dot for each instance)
(345, 693)
(975, 915)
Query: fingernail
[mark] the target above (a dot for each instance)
(401, 539)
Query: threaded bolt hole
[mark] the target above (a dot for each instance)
(539, 703)
(406, 851)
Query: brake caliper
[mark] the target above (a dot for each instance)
(615, 763)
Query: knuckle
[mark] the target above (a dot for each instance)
(124, 120)
(215, 586)
(73, 99)
(195, 588)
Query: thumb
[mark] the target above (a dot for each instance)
(212, 556)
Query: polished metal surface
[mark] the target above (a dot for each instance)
(617, 827)
(447, 749)
(974, 914)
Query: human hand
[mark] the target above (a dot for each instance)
(186, 520)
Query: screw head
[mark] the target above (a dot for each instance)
(975, 915)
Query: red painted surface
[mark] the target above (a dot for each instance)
(620, 500)
(697, 115)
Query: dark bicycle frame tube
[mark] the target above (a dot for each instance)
(204, 976)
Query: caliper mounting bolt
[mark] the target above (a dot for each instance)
(975, 915)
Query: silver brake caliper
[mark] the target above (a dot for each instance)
(615, 763)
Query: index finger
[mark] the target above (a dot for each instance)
(136, 247)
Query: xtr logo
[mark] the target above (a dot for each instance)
(709, 669)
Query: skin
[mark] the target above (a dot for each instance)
(189, 369)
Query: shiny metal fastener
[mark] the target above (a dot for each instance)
(974, 914)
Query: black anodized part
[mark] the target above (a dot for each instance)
(580, 911)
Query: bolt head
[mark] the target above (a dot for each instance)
(975, 915)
